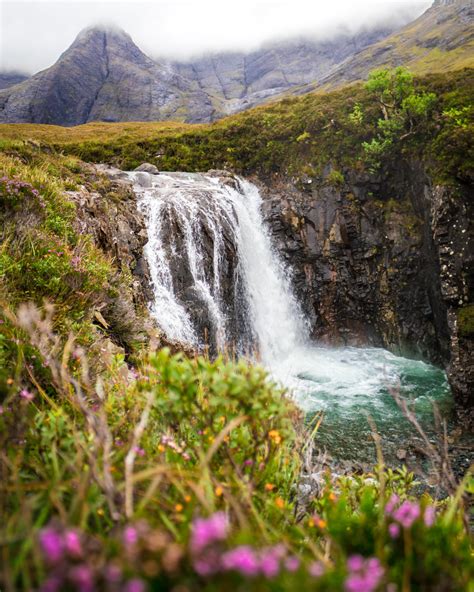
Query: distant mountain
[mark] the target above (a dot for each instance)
(8, 79)
(241, 80)
(104, 76)
(441, 39)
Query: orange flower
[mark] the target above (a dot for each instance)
(179, 507)
(275, 436)
(219, 491)
(187, 498)
(9, 380)
(332, 497)
(321, 523)
(280, 503)
(269, 486)
(161, 448)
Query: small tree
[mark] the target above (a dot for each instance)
(403, 109)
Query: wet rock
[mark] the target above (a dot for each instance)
(143, 179)
(146, 167)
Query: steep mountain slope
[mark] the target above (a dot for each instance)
(8, 79)
(441, 39)
(104, 76)
(242, 80)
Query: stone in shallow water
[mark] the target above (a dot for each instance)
(146, 167)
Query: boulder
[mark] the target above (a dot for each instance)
(146, 167)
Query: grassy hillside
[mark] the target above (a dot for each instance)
(295, 136)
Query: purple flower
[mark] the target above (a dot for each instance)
(26, 395)
(130, 536)
(392, 503)
(364, 575)
(429, 516)
(316, 569)
(355, 563)
(292, 564)
(407, 513)
(206, 531)
(394, 530)
(241, 559)
(134, 585)
(51, 543)
(52, 584)
(248, 462)
(139, 451)
(81, 576)
(72, 543)
(270, 564)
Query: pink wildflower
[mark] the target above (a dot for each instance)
(206, 531)
(429, 516)
(72, 543)
(316, 569)
(292, 564)
(51, 543)
(394, 530)
(26, 395)
(241, 559)
(407, 513)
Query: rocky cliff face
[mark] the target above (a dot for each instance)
(382, 262)
(103, 76)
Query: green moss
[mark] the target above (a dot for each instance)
(466, 321)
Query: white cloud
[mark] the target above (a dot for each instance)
(34, 32)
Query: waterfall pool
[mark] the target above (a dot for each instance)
(351, 384)
(213, 265)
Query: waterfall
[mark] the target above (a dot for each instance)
(218, 283)
(215, 276)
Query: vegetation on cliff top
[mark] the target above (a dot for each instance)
(296, 136)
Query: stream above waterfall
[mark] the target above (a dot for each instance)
(220, 285)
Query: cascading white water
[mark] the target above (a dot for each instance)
(197, 205)
(216, 278)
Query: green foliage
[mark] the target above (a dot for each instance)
(335, 178)
(356, 116)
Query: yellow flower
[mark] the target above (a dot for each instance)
(219, 491)
(100, 511)
(179, 507)
(161, 448)
(222, 419)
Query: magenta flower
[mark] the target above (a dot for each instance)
(392, 503)
(316, 569)
(51, 543)
(72, 543)
(130, 536)
(292, 564)
(26, 395)
(407, 513)
(82, 577)
(365, 575)
(429, 516)
(241, 559)
(394, 530)
(134, 585)
(206, 531)
(270, 564)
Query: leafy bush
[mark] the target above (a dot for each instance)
(182, 472)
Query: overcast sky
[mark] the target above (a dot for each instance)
(33, 33)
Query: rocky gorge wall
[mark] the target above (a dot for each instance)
(386, 262)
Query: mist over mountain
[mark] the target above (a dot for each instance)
(105, 76)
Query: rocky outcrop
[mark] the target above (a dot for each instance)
(8, 79)
(383, 261)
(104, 76)
(110, 217)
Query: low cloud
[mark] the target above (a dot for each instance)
(34, 33)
